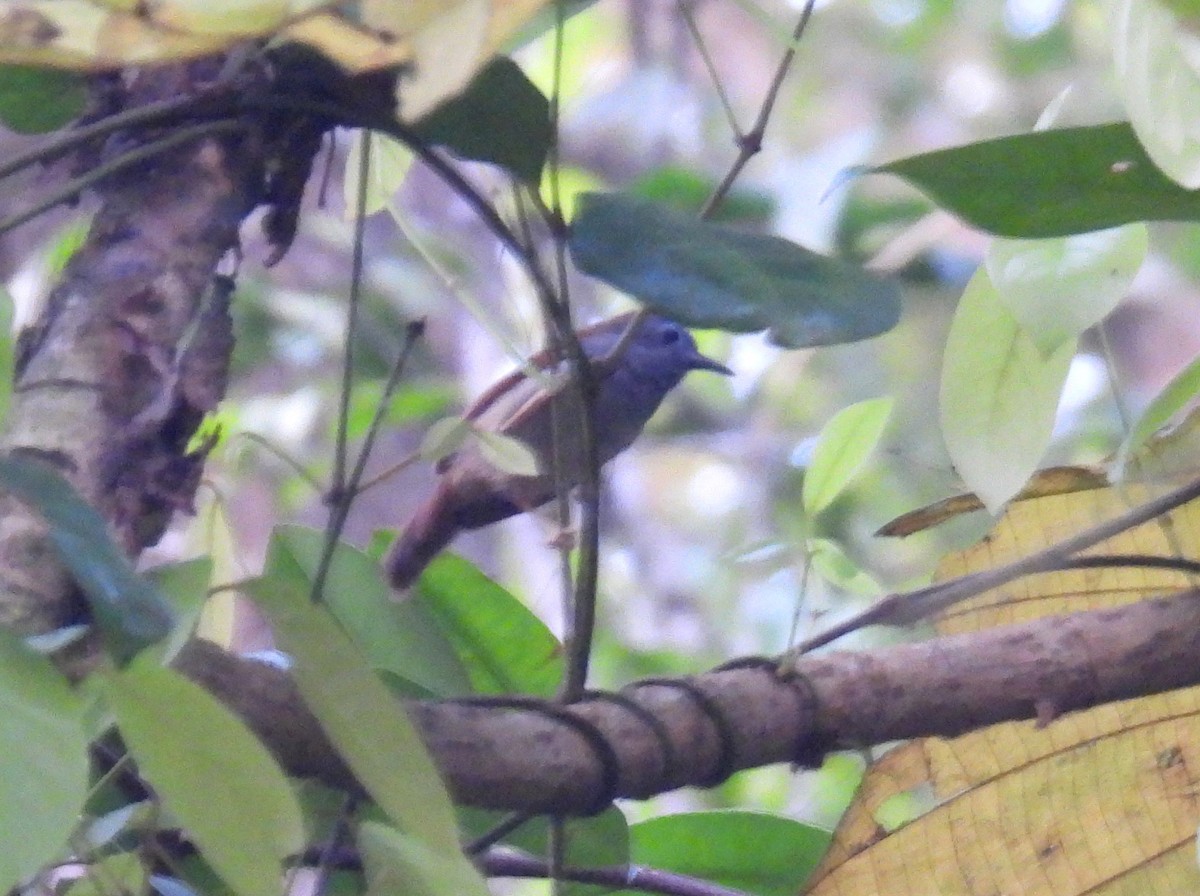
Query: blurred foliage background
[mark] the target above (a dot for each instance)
(707, 553)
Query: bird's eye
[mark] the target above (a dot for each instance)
(671, 336)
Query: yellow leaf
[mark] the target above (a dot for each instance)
(1097, 802)
(353, 47)
(77, 34)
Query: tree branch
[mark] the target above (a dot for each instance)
(520, 758)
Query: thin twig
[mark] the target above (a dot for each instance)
(283, 457)
(579, 595)
(77, 185)
(557, 836)
(686, 11)
(750, 143)
(498, 832)
(440, 166)
(412, 332)
(151, 114)
(913, 606)
(502, 862)
(388, 472)
(337, 489)
(326, 862)
(354, 486)
(1133, 561)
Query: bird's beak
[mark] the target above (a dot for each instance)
(700, 362)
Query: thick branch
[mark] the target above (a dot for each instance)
(522, 759)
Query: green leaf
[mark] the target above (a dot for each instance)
(444, 437)
(185, 585)
(399, 637)
(35, 100)
(831, 563)
(707, 275)
(501, 117)
(364, 721)
(999, 394)
(505, 647)
(749, 851)
(1050, 183)
(128, 610)
(213, 775)
(506, 454)
(1057, 288)
(1154, 57)
(405, 865)
(43, 761)
(843, 447)
(1174, 398)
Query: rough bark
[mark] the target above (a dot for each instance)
(129, 353)
(527, 758)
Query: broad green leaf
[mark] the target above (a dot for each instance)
(1050, 183)
(750, 851)
(354, 707)
(1057, 288)
(1155, 55)
(505, 647)
(507, 454)
(403, 864)
(185, 585)
(128, 610)
(843, 447)
(43, 761)
(389, 163)
(999, 395)
(501, 117)
(35, 100)
(213, 775)
(1175, 396)
(708, 275)
(400, 637)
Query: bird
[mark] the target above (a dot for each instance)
(632, 374)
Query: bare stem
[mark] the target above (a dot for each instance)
(913, 606)
(501, 862)
(750, 143)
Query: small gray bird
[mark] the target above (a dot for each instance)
(472, 493)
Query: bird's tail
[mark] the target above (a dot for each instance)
(429, 531)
